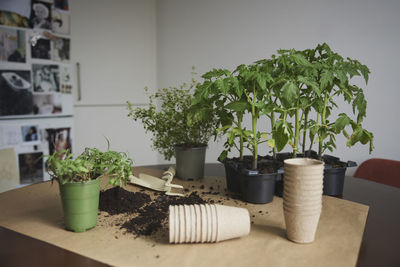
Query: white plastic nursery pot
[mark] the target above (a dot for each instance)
(207, 223)
(302, 202)
(190, 162)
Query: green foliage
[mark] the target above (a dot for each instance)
(90, 165)
(174, 123)
(334, 74)
(310, 81)
(290, 89)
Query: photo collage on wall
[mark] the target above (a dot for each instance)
(35, 70)
(44, 140)
(36, 83)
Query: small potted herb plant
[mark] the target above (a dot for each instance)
(79, 182)
(176, 129)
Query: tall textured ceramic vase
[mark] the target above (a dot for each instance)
(302, 198)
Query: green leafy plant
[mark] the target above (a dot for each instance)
(90, 165)
(233, 95)
(174, 123)
(333, 75)
(310, 82)
(222, 93)
(254, 83)
(297, 91)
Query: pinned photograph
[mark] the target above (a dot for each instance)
(41, 49)
(60, 22)
(10, 136)
(30, 134)
(15, 13)
(15, 92)
(61, 4)
(46, 78)
(30, 167)
(47, 104)
(61, 49)
(41, 15)
(59, 139)
(66, 79)
(12, 45)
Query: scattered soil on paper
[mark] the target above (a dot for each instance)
(145, 212)
(138, 212)
(117, 200)
(153, 217)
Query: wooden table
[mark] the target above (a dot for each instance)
(379, 247)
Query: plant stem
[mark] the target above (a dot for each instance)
(240, 118)
(320, 147)
(297, 133)
(254, 127)
(312, 140)
(272, 128)
(255, 151)
(305, 131)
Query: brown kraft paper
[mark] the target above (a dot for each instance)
(36, 211)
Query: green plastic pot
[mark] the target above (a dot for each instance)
(80, 203)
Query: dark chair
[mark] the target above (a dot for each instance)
(383, 171)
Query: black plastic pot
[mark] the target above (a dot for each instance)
(334, 177)
(190, 162)
(232, 175)
(257, 188)
(279, 183)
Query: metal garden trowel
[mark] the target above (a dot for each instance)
(155, 183)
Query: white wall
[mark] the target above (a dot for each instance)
(226, 33)
(115, 44)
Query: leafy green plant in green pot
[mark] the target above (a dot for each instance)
(176, 129)
(79, 182)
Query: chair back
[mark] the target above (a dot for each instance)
(383, 171)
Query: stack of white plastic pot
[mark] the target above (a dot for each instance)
(302, 198)
(207, 223)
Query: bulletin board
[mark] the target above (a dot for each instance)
(35, 70)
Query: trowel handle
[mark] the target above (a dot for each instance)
(169, 174)
(171, 170)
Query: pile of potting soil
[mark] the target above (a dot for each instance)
(145, 215)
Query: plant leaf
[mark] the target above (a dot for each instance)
(290, 93)
(341, 122)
